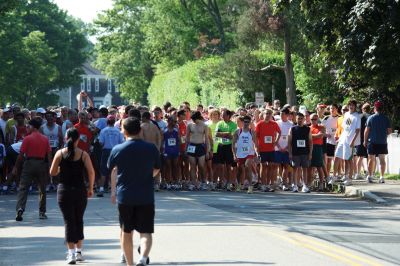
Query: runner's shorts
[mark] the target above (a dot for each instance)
(105, 153)
(377, 149)
(300, 161)
(344, 151)
(136, 217)
(282, 157)
(267, 156)
(196, 150)
(242, 161)
(330, 150)
(224, 155)
(361, 151)
(317, 159)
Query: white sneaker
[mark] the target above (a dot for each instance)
(347, 182)
(368, 179)
(191, 187)
(78, 256)
(332, 180)
(343, 178)
(305, 189)
(71, 258)
(295, 188)
(263, 188)
(285, 188)
(123, 260)
(382, 180)
(250, 190)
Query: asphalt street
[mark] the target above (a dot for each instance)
(217, 228)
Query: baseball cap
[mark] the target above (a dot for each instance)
(40, 110)
(378, 104)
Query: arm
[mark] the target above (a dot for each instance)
(89, 168)
(60, 138)
(206, 138)
(54, 169)
(187, 136)
(234, 141)
(366, 134)
(113, 184)
(355, 136)
(290, 143)
(311, 145)
(90, 102)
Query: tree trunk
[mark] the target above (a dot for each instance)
(213, 9)
(289, 73)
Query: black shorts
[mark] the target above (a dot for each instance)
(199, 150)
(267, 156)
(105, 153)
(377, 149)
(361, 151)
(224, 155)
(137, 217)
(330, 150)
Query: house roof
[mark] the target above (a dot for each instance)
(90, 70)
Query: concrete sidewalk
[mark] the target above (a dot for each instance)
(387, 193)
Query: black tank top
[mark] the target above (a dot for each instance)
(300, 139)
(72, 173)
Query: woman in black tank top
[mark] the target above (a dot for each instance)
(73, 164)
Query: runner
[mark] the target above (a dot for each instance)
(215, 117)
(330, 124)
(135, 162)
(70, 163)
(196, 148)
(361, 150)
(349, 138)
(375, 139)
(243, 148)
(268, 135)
(317, 160)
(300, 152)
(183, 160)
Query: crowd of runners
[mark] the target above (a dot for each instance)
(211, 148)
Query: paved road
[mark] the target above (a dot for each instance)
(218, 228)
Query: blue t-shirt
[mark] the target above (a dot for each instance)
(378, 125)
(110, 137)
(101, 123)
(135, 160)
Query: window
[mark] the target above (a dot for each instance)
(83, 85)
(89, 85)
(96, 85)
(109, 85)
(116, 86)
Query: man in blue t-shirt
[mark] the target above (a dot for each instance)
(375, 140)
(134, 163)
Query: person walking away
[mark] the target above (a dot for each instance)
(35, 147)
(375, 139)
(70, 163)
(134, 163)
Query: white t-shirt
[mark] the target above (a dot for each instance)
(351, 122)
(331, 126)
(285, 127)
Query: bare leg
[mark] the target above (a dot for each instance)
(146, 242)
(127, 245)
(382, 163)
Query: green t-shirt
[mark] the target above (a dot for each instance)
(226, 127)
(212, 127)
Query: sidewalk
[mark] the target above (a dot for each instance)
(387, 193)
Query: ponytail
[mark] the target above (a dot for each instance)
(72, 136)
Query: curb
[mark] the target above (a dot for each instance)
(351, 191)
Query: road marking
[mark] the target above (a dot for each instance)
(324, 249)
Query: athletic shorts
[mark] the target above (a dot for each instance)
(171, 156)
(267, 156)
(242, 161)
(282, 157)
(344, 151)
(330, 150)
(136, 217)
(224, 155)
(361, 151)
(105, 153)
(196, 150)
(377, 149)
(317, 159)
(300, 161)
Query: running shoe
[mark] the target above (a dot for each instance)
(71, 258)
(305, 189)
(368, 179)
(123, 260)
(19, 218)
(147, 261)
(381, 180)
(100, 194)
(42, 216)
(78, 256)
(295, 188)
(347, 182)
(285, 188)
(332, 180)
(269, 189)
(250, 190)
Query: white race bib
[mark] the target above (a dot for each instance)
(225, 140)
(171, 142)
(183, 139)
(245, 149)
(191, 149)
(268, 139)
(83, 138)
(301, 143)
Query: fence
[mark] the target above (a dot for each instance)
(393, 158)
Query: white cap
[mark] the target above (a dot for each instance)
(40, 110)
(102, 106)
(302, 109)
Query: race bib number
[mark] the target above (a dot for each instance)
(301, 143)
(83, 138)
(191, 149)
(245, 149)
(225, 140)
(183, 139)
(52, 143)
(284, 138)
(268, 139)
(172, 142)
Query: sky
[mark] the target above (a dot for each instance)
(86, 10)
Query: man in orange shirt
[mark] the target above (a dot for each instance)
(317, 159)
(36, 148)
(85, 134)
(268, 134)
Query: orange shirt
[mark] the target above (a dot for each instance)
(266, 135)
(35, 145)
(339, 127)
(85, 138)
(315, 130)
